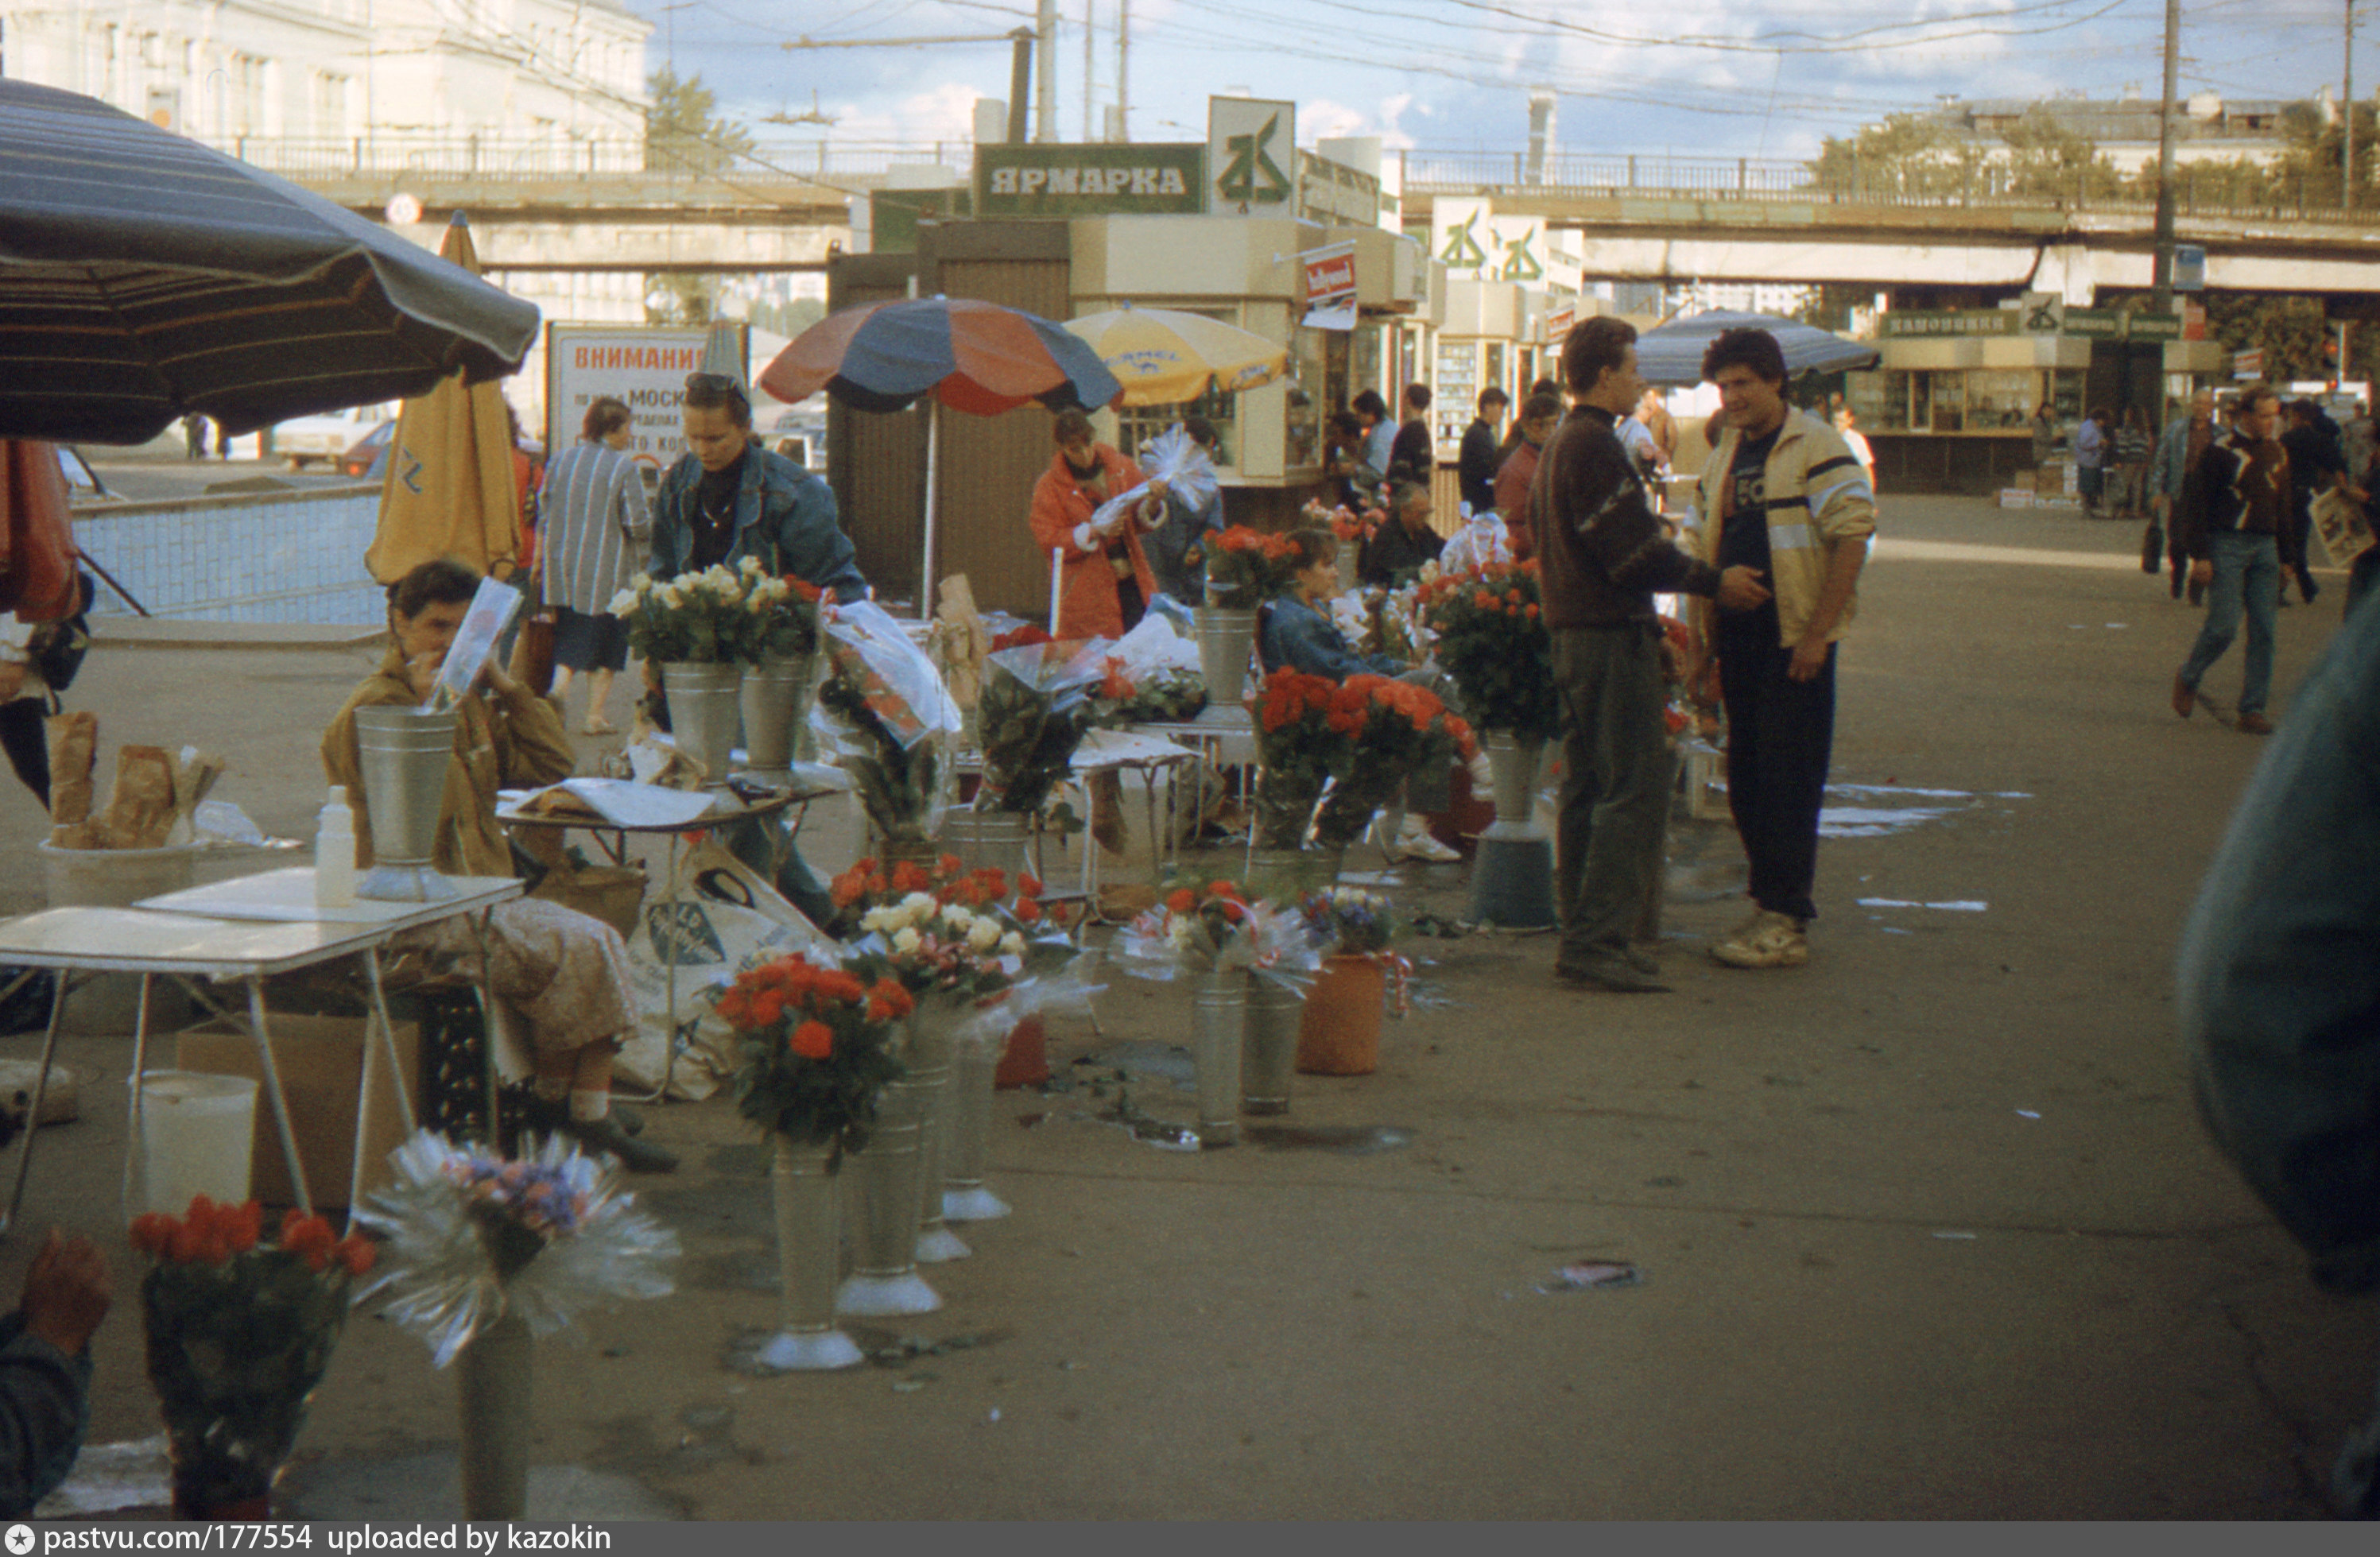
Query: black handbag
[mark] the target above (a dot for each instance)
(2152, 548)
(57, 649)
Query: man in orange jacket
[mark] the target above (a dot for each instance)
(1105, 583)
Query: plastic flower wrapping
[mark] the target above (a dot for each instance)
(1057, 983)
(1355, 923)
(1216, 929)
(1175, 458)
(471, 1236)
(883, 716)
(1037, 701)
(1481, 541)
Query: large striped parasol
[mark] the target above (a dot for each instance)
(143, 277)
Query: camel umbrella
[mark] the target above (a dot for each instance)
(1164, 357)
(449, 491)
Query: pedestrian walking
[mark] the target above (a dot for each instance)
(1847, 427)
(2132, 449)
(194, 436)
(2317, 465)
(2091, 461)
(2239, 512)
(2179, 447)
(598, 525)
(1605, 556)
(1783, 495)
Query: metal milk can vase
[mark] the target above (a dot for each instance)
(496, 1372)
(774, 697)
(703, 709)
(405, 754)
(809, 1252)
(1515, 762)
(1226, 640)
(929, 1063)
(1270, 1052)
(965, 1198)
(1218, 1022)
(884, 1194)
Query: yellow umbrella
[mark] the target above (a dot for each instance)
(1163, 357)
(449, 488)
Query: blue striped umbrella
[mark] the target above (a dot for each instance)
(1673, 354)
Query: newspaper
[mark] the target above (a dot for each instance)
(475, 643)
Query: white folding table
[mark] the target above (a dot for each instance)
(241, 930)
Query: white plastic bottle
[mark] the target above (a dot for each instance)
(334, 852)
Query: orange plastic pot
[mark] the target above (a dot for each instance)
(1338, 1033)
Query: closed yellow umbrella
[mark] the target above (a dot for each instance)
(1164, 357)
(449, 488)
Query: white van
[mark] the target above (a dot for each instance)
(326, 436)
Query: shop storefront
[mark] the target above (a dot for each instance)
(1950, 406)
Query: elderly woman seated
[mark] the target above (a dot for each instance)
(561, 976)
(1298, 633)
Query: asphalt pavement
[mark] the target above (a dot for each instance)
(1926, 1229)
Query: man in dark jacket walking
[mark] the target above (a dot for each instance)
(1605, 555)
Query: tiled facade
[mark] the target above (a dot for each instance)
(286, 556)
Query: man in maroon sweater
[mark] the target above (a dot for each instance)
(1605, 556)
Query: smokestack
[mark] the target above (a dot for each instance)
(1541, 132)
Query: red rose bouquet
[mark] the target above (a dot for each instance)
(817, 1049)
(1492, 640)
(1396, 728)
(1305, 727)
(1247, 567)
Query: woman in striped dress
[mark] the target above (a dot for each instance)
(598, 525)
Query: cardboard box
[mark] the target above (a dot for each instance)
(321, 1062)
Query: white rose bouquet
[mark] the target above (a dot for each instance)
(720, 616)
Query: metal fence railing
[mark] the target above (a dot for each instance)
(2198, 190)
(522, 159)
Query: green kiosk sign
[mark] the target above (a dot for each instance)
(1094, 180)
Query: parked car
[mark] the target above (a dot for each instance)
(326, 436)
(366, 455)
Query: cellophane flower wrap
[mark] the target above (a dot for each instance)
(1216, 929)
(1037, 701)
(952, 948)
(1481, 541)
(1305, 729)
(1166, 695)
(1175, 458)
(1397, 728)
(238, 1334)
(1492, 639)
(884, 714)
(819, 1046)
(472, 1236)
(1247, 567)
(719, 615)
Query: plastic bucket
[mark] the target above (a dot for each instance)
(198, 1135)
(110, 1002)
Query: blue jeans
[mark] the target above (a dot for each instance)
(2247, 569)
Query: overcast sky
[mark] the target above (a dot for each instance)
(1769, 78)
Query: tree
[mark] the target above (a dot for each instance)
(681, 132)
(1927, 156)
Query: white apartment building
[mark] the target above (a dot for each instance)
(296, 83)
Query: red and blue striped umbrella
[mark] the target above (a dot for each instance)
(971, 355)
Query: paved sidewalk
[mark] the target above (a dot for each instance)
(1928, 1228)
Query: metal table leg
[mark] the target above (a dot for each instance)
(386, 1051)
(262, 1034)
(41, 1090)
(136, 1149)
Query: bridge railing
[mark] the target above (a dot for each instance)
(2198, 189)
(519, 158)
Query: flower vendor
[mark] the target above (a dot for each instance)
(1105, 581)
(562, 975)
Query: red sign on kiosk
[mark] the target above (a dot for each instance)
(1330, 286)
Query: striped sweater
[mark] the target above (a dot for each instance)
(1601, 546)
(1817, 498)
